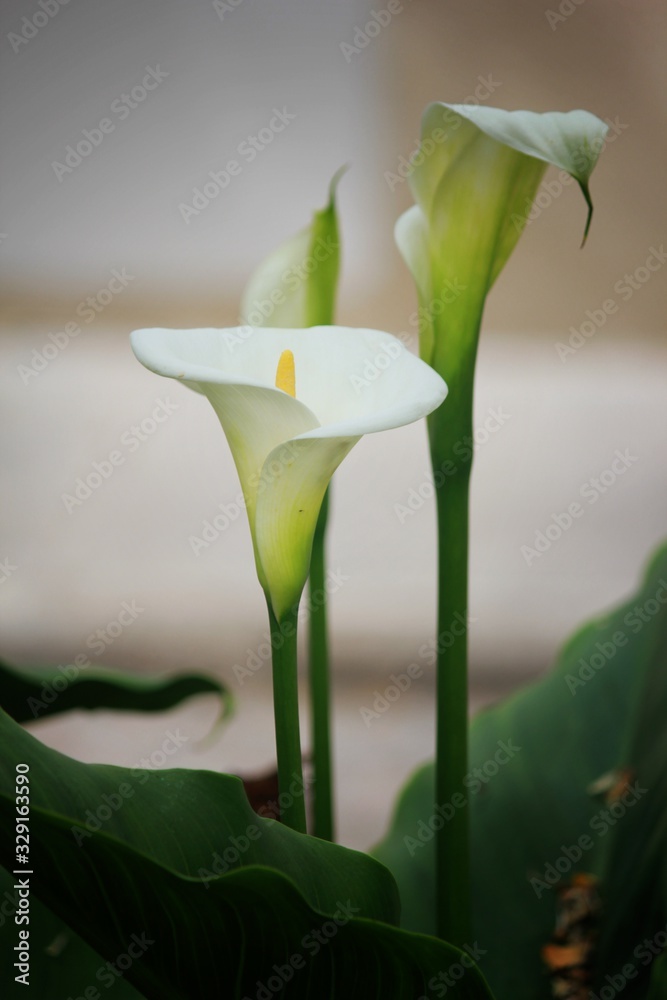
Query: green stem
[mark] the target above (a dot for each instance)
(286, 711)
(452, 840)
(319, 683)
(451, 437)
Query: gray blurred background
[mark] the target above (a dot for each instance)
(219, 71)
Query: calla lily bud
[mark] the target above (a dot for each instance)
(296, 284)
(292, 404)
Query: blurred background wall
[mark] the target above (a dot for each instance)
(215, 75)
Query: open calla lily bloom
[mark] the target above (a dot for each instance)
(292, 404)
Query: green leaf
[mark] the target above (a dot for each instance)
(28, 693)
(595, 723)
(295, 286)
(251, 935)
(185, 820)
(61, 964)
(217, 900)
(474, 179)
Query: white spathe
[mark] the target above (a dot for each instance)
(349, 382)
(474, 180)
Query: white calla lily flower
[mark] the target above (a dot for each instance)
(474, 180)
(292, 404)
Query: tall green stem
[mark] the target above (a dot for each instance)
(452, 841)
(319, 683)
(451, 452)
(286, 711)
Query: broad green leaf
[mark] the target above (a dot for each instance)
(62, 965)
(185, 820)
(474, 179)
(295, 286)
(595, 723)
(217, 900)
(28, 693)
(252, 935)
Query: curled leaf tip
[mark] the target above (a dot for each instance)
(589, 217)
(336, 179)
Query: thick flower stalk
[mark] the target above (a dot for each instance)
(474, 180)
(295, 286)
(291, 407)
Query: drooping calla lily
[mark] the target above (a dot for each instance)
(474, 179)
(292, 404)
